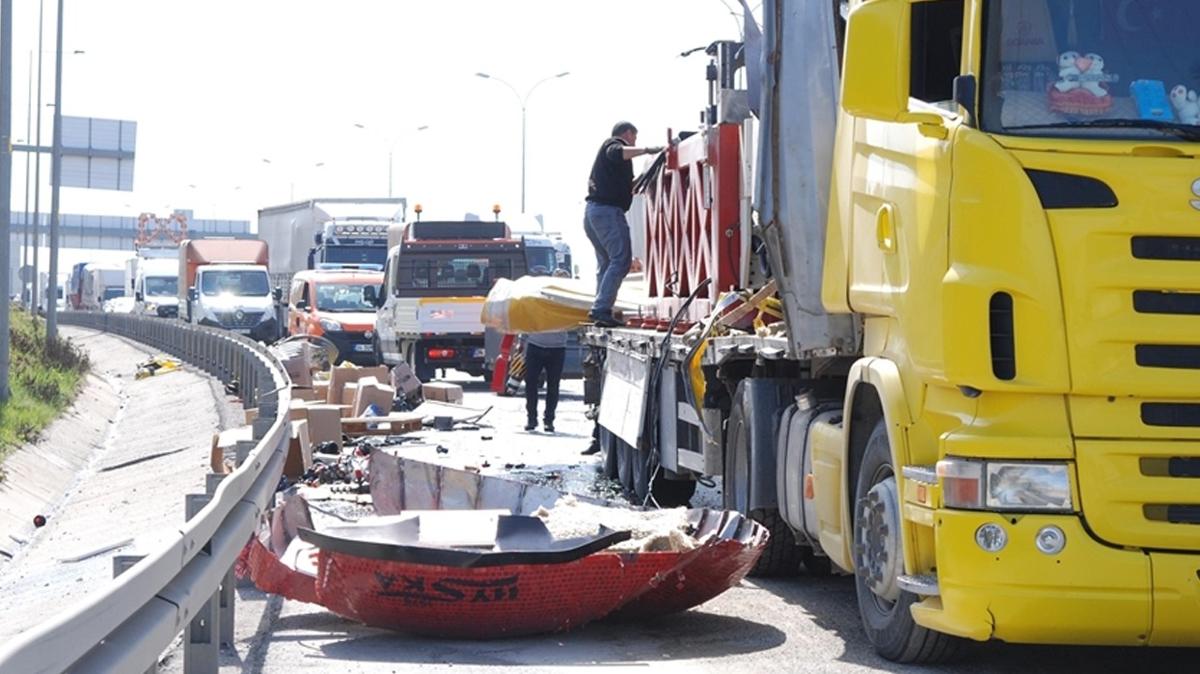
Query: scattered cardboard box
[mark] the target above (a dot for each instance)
(298, 409)
(301, 393)
(339, 376)
(324, 424)
(299, 456)
(371, 392)
(251, 415)
(321, 388)
(443, 392)
(223, 454)
(404, 381)
(349, 391)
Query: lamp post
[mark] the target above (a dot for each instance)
(392, 150)
(291, 180)
(55, 179)
(523, 101)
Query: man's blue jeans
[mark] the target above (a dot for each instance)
(608, 231)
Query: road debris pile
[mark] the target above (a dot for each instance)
(452, 553)
(650, 530)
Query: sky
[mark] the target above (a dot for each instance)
(218, 86)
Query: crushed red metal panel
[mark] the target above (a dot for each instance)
(692, 215)
(271, 575)
(508, 599)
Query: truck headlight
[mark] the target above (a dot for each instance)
(332, 326)
(1003, 486)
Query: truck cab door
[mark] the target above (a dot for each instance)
(899, 206)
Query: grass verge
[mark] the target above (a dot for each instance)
(43, 380)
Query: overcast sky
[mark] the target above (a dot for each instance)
(220, 85)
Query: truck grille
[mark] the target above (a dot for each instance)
(1130, 279)
(239, 319)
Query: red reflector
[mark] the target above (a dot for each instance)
(440, 354)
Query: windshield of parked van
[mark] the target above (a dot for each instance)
(1092, 68)
(158, 286)
(342, 297)
(243, 283)
(110, 293)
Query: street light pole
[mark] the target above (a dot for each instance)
(523, 102)
(37, 174)
(25, 213)
(391, 152)
(5, 183)
(55, 178)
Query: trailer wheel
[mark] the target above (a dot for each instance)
(781, 556)
(879, 561)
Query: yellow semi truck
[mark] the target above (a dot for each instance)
(983, 398)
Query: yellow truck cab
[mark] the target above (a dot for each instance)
(981, 395)
(1015, 234)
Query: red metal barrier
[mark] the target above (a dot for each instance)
(693, 228)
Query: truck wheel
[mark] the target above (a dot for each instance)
(782, 555)
(377, 349)
(879, 561)
(672, 493)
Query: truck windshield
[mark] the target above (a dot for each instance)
(243, 283)
(110, 293)
(451, 274)
(157, 286)
(541, 261)
(1092, 69)
(373, 255)
(342, 297)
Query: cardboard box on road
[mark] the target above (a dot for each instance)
(223, 455)
(299, 456)
(325, 424)
(404, 381)
(339, 376)
(349, 391)
(443, 392)
(371, 392)
(301, 393)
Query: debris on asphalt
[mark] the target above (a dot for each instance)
(650, 530)
(39, 521)
(157, 365)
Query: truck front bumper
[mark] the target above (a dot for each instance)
(1087, 594)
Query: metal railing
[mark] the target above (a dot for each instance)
(185, 585)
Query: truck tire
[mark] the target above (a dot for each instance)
(670, 493)
(781, 556)
(879, 560)
(377, 349)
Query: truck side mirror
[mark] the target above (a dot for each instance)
(875, 86)
(192, 294)
(301, 305)
(277, 293)
(139, 297)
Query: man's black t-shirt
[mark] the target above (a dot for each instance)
(611, 182)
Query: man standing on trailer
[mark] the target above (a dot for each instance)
(610, 192)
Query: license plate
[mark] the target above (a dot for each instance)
(362, 347)
(480, 353)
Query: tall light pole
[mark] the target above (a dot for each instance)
(25, 216)
(391, 151)
(523, 100)
(291, 180)
(36, 236)
(5, 182)
(55, 178)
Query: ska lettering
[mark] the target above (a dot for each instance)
(416, 590)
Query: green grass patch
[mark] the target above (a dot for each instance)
(43, 380)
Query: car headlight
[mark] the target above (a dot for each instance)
(332, 326)
(1005, 485)
(152, 307)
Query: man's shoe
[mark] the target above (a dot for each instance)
(531, 426)
(609, 322)
(593, 448)
(548, 426)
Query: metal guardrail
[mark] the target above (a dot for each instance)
(185, 585)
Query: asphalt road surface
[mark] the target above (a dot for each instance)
(797, 624)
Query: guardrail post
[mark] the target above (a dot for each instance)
(121, 564)
(201, 638)
(226, 608)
